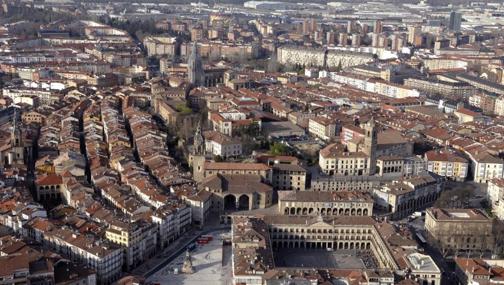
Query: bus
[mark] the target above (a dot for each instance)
(421, 238)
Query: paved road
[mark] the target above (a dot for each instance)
(417, 225)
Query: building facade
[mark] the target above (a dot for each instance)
(447, 164)
(289, 177)
(313, 203)
(402, 197)
(458, 230)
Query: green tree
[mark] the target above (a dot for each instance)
(182, 108)
(279, 149)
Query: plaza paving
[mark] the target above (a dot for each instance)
(318, 258)
(211, 265)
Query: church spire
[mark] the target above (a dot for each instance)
(15, 131)
(198, 141)
(370, 144)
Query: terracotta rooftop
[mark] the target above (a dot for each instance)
(47, 180)
(235, 166)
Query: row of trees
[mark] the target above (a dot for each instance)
(41, 16)
(138, 28)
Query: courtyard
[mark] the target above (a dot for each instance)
(322, 258)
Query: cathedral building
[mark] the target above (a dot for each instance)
(14, 147)
(195, 67)
(199, 75)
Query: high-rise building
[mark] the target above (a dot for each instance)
(356, 40)
(306, 27)
(343, 39)
(313, 25)
(394, 39)
(413, 31)
(196, 34)
(382, 41)
(455, 21)
(364, 29)
(378, 27)
(350, 26)
(374, 40)
(195, 67)
(400, 43)
(331, 38)
(309, 26)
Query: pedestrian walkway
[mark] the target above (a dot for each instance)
(208, 266)
(154, 262)
(157, 262)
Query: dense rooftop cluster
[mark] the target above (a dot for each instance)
(326, 143)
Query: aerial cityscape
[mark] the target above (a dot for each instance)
(234, 142)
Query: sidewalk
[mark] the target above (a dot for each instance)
(155, 261)
(161, 259)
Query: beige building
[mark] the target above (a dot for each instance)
(313, 203)
(392, 142)
(99, 255)
(138, 239)
(458, 230)
(390, 166)
(322, 128)
(341, 183)
(395, 166)
(222, 145)
(172, 221)
(355, 233)
(498, 209)
(219, 49)
(466, 116)
(495, 190)
(495, 195)
(499, 106)
(405, 196)
(231, 192)
(203, 169)
(201, 206)
(49, 187)
(32, 117)
(255, 242)
(362, 234)
(334, 159)
(447, 164)
(447, 88)
(356, 160)
(288, 177)
(485, 166)
(423, 269)
(160, 46)
(479, 271)
(319, 57)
